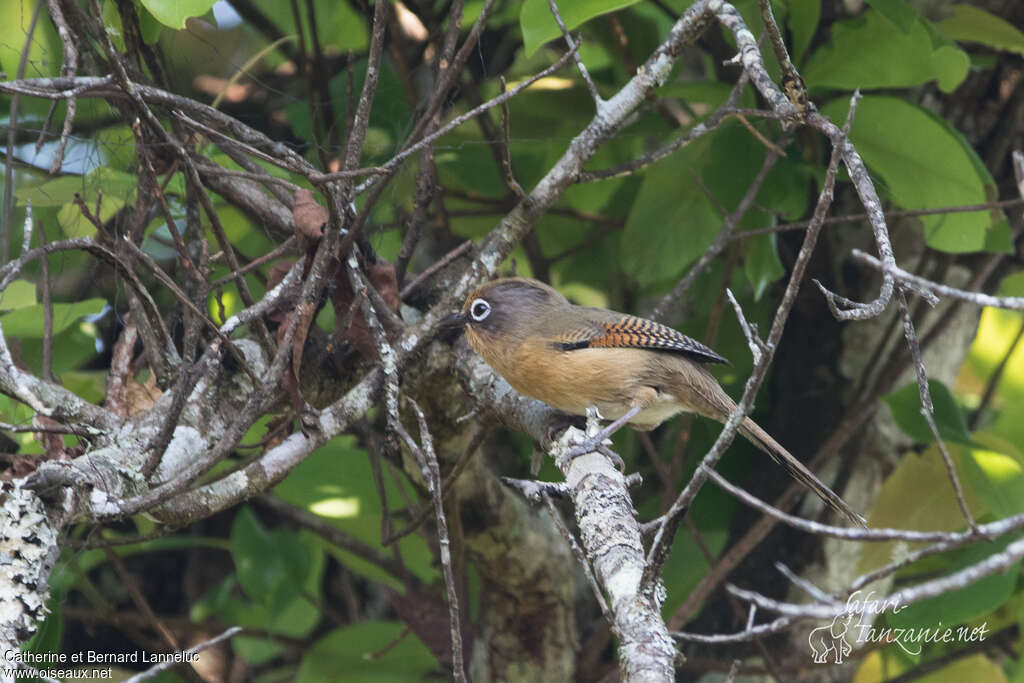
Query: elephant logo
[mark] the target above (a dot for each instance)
(831, 639)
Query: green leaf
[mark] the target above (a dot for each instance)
(997, 478)
(149, 26)
(873, 52)
(970, 602)
(998, 239)
(924, 164)
(975, 25)
(173, 13)
(761, 263)
(44, 53)
(271, 565)
(539, 26)
(61, 191)
(905, 404)
(901, 14)
(27, 321)
(671, 223)
(343, 656)
(18, 294)
(1012, 285)
(803, 19)
(917, 495)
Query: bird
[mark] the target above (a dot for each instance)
(629, 369)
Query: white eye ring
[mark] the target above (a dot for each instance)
(479, 309)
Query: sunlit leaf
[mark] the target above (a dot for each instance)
(173, 13)
(916, 495)
(28, 320)
(18, 294)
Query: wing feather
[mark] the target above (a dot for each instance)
(623, 331)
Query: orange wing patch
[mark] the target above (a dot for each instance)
(639, 333)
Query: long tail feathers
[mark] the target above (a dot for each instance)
(797, 470)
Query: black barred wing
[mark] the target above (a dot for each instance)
(636, 333)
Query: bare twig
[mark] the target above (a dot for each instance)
(928, 410)
(573, 48)
(1013, 303)
(427, 459)
(187, 656)
(439, 264)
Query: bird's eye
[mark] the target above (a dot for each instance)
(479, 310)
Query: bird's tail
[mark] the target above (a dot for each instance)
(797, 470)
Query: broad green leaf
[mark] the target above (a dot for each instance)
(61, 191)
(786, 188)
(905, 404)
(672, 221)
(173, 13)
(871, 52)
(924, 164)
(271, 565)
(18, 294)
(1012, 285)
(803, 22)
(761, 263)
(899, 12)
(970, 602)
(917, 495)
(539, 26)
(44, 53)
(998, 239)
(997, 478)
(343, 655)
(27, 322)
(975, 25)
(149, 26)
(732, 163)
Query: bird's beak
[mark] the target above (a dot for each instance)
(453, 321)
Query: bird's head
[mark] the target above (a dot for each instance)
(506, 310)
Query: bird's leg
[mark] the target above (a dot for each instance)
(596, 441)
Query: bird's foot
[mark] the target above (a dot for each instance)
(598, 440)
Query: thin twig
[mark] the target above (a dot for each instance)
(427, 458)
(187, 656)
(1013, 303)
(928, 410)
(441, 263)
(573, 48)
